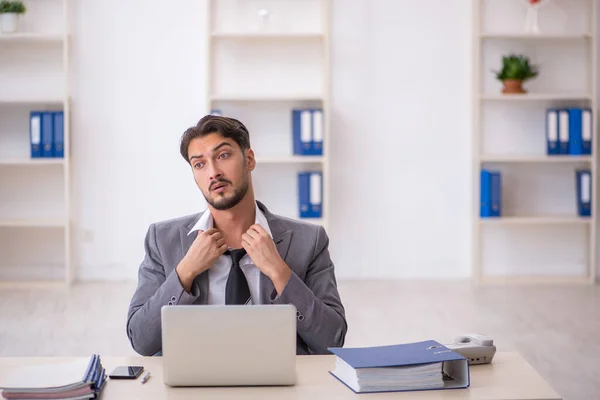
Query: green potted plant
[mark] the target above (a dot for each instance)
(516, 69)
(10, 10)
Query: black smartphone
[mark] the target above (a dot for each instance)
(126, 372)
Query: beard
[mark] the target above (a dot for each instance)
(222, 202)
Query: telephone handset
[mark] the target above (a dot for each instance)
(477, 348)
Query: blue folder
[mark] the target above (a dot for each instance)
(302, 131)
(563, 131)
(584, 192)
(310, 194)
(586, 130)
(453, 367)
(575, 131)
(485, 200)
(47, 133)
(552, 131)
(316, 194)
(304, 209)
(496, 194)
(318, 126)
(35, 133)
(490, 198)
(59, 134)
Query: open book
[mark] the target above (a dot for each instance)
(78, 379)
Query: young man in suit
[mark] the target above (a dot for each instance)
(235, 252)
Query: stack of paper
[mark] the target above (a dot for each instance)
(73, 380)
(413, 366)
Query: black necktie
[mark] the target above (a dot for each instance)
(237, 290)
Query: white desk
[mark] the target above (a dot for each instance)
(508, 377)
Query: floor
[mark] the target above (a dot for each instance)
(556, 328)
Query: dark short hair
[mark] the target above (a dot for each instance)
(225, 126)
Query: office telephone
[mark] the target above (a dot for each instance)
(477, 348)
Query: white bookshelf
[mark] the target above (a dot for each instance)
(259, 69)
(31, 37)
(537, 37)
(539, 238)
(17, 100)
(537, 220)
(292, 160)
(536, 96)
(266, 35)
(530, 159)
(237, 98)
(35, 227)
(34, 223)
(30, 161)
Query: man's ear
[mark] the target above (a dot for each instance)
(250, 160)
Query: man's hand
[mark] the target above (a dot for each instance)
(203, 253)
(261, 249)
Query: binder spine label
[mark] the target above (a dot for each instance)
(552, 126)
(585, 188)
(586, 131)
(563, 131)
(36, 130)
(305, 127)
(315, 188)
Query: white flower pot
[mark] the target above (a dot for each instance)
(9, 22)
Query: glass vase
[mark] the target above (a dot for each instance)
(532, 21)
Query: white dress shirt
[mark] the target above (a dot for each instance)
(219, 272)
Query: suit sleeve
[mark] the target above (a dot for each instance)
(155, 289)
(321, 316)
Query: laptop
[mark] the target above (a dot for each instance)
(214, 345)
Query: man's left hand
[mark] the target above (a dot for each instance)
(261, 249)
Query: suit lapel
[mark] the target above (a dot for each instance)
(283, 243)
(282, 239)
(202, 279)
(186, 240)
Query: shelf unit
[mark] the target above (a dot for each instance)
(523, 159)
(539, 238)
(266, 35)
(233, 98)
(536, 96)
(34, 223)
(265, 59)
(30, 37)
(35, 227)
(537, 37)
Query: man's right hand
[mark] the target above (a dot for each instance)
(203, 253)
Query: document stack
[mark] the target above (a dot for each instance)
(78, 379)
(425, 365)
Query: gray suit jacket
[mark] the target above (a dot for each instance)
(312, 288)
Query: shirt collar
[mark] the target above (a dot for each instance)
(205, 222)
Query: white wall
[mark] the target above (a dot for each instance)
(400, 159)
(138, 83)
(401, 145)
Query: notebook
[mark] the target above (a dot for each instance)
(81, 378)
(425, 365)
